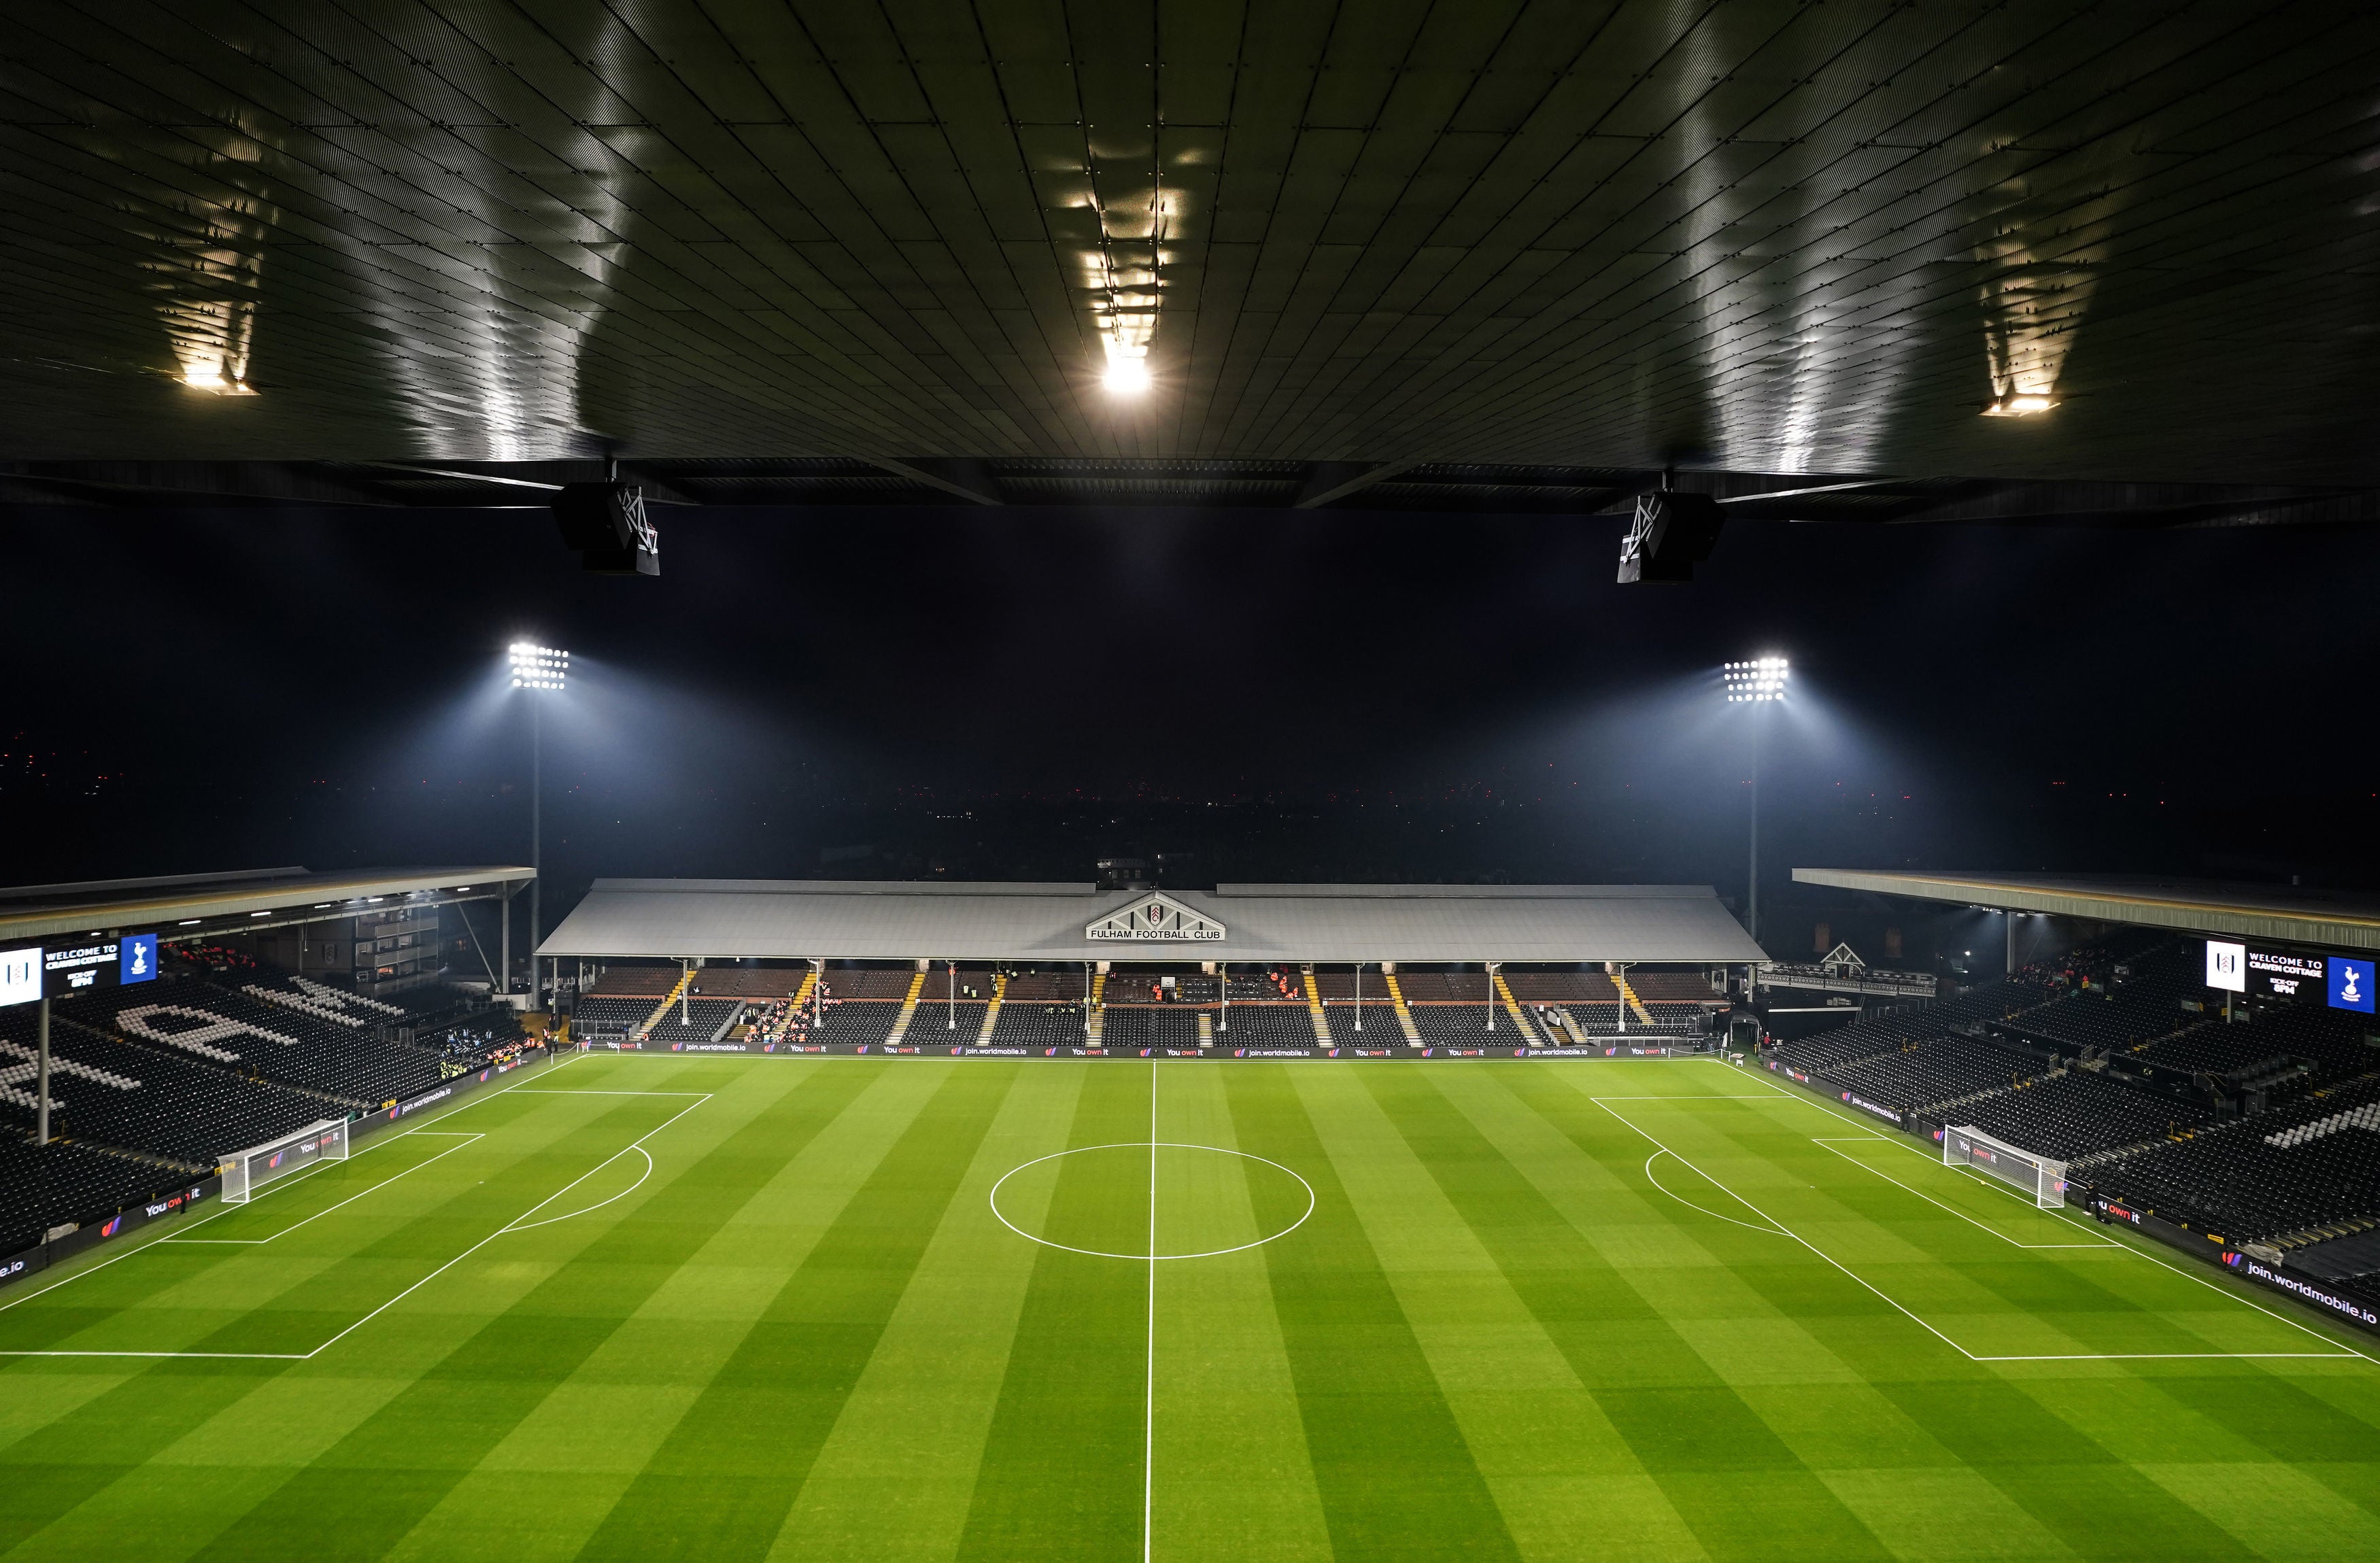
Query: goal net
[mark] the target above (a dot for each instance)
(2035, 1174)
(244, 1172)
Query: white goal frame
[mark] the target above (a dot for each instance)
(244, 1172)
(2042, 1176)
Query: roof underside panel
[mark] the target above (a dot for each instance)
(1764, 237)
(1680, 924)
(2282, 915)
(37, 911)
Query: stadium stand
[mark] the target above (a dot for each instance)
(1380, 1027)
(2079, 1113)
(122, 1095)
(862, 1021)
(1264, 1025)
(630, 982)
(268, 1041)
(1929, 1073)
(2269, 1177)
(1888, 1032)
(1465, 1024)
(609, 1015)
(55, 1185)
(1138, 1025)
(868, 982)
(1036, 1024)
(695, 1020)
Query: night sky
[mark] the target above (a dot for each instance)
(1012, 694)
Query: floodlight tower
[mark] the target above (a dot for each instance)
(540, 671)
(1758, 683)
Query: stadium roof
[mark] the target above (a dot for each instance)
(1448, 258)
(2288, 914)
(847, 920)
(200, 906)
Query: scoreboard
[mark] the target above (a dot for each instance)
(2343, 982)
(39, 972)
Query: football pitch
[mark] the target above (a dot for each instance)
(638, 1307)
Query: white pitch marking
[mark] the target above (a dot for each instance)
(1153, 1149)
(636, 1144)
(467, 1137)
(1928, 1328)
(1830, 1140)
(1148, 1356)
(2136, 1248)
(1773, 1232)
(144, 1245)
(574, 1215)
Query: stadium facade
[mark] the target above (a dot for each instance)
(1077, 971)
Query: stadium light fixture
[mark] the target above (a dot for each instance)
(2014, 405)
(1762, 678)
(1756, 682)
(539, 667)
(1127, 370)
(541, 670)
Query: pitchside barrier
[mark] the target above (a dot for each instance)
(950, 1050)
(99, 1230)
(2263, 1268)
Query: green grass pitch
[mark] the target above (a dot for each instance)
(734, 1309)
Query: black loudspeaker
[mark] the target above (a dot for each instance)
(605, 522)
(1671, 534)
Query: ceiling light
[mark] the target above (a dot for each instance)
(1126, 376)
(2019, 407)
(210, 379)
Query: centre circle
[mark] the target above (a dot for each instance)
(1192, 1188)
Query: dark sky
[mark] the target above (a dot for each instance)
(1012, 694)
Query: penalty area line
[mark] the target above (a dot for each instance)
(1829, 1142)
(2137, 1246)
(466, 1136)
(515, 1225)
(1915, 1318)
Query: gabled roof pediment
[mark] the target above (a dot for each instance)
(1154, 918)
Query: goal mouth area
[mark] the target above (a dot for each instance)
(2031, 1172)
(247, 1171)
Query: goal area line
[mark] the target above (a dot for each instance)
(2338, 1352)
(516, 1224)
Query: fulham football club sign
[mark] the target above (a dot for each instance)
(1155, 919)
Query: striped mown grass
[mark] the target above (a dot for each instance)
(733, 1309)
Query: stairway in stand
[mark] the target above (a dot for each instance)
(991, 1010)
(1512, 1007)
(1097, 1018)
(908, 1010)
(662, 1007)
(1404, 1016)
(1313, 1007)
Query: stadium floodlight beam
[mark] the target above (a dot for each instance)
(541, 670)
(1756, 683)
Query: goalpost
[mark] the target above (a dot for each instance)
(246, 1172)
(2038, 1175)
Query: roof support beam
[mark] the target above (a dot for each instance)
(1327, 482)
(183, 482)
(966, 477)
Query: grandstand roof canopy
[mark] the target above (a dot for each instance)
(2286, 914)
(200, 905)
(1438, 258)
(891, 920)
